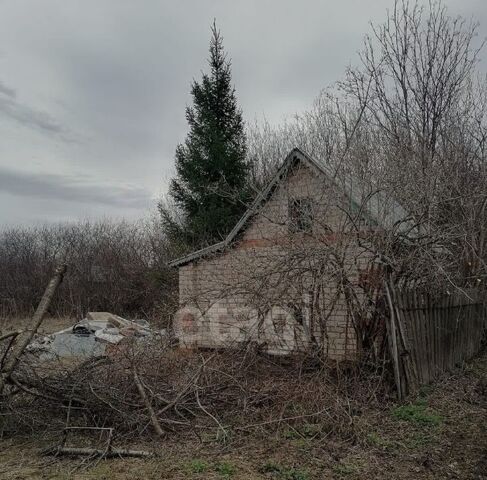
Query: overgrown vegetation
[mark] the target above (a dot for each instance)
(349, 426)
(410, 122)
(220, 394)
(113, 266)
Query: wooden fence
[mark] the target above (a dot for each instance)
(429, 335)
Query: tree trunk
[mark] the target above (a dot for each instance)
(24, 339)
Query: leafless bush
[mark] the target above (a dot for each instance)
(408, 121)
(114, 266)
(220, 394)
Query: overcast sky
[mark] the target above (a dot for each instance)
(93, 92)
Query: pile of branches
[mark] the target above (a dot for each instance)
(151, 387)
(155, 389)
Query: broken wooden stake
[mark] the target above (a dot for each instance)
(107, 452)
(29, 333)
(148, 406)
(96, 452)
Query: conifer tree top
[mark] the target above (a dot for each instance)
(211, 187)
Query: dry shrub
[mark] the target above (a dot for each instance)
(217, 394)
(112, 266)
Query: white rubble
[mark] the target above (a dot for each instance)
(89, 336)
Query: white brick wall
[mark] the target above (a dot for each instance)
(244, 293)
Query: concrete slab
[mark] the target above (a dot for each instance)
(70, 345)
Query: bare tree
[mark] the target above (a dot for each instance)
(410, 121)
(115, 266)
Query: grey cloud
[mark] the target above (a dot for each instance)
(113, 79)
(28, 116)
(7, 91)
(80, 189)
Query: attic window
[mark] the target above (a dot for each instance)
(300, 215)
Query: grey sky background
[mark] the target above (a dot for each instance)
(93, 92)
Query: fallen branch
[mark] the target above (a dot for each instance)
(286, 419)
(148, 406)
(30, 384)
(96, 452)
(6, 351)
(10, 334)
(190, 384)
(32, 392)
(13, 360)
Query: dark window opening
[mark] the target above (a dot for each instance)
(297, 311)
(300, 215)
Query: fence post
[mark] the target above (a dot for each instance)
(392, 340)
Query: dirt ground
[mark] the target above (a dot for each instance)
(440, 434)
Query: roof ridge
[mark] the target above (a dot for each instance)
(294, 154)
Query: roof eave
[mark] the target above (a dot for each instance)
(249, 212)
(197, 254)
(295, 153)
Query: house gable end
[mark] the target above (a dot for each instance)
(303, 184)
(348, 196)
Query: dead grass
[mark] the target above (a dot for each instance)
(49, 324)
(440, 434)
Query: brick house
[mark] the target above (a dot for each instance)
(290, 275)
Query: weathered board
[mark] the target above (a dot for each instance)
(433, 334)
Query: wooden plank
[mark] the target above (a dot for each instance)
(415, 347)
(447, 332)
(392, 340)
(442, 336)
(416, 313)
(431, 335)
(453, 309)
(427, 340)
(431, 338)
(439, 320)
(399, 301)
(469, 322)
(422, 341)
(447, 314)
(471, 326)
(456, 312)
(439, 334)
(467, 328)
(434, 335)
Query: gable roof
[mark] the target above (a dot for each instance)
(384, 211)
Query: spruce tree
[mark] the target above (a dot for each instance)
(210, 188)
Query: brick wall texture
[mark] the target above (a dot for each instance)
(287, 291)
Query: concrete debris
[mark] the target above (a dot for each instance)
(89, 337)
(109, 335)
(69, 345)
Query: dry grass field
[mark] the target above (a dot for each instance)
(49, 325)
